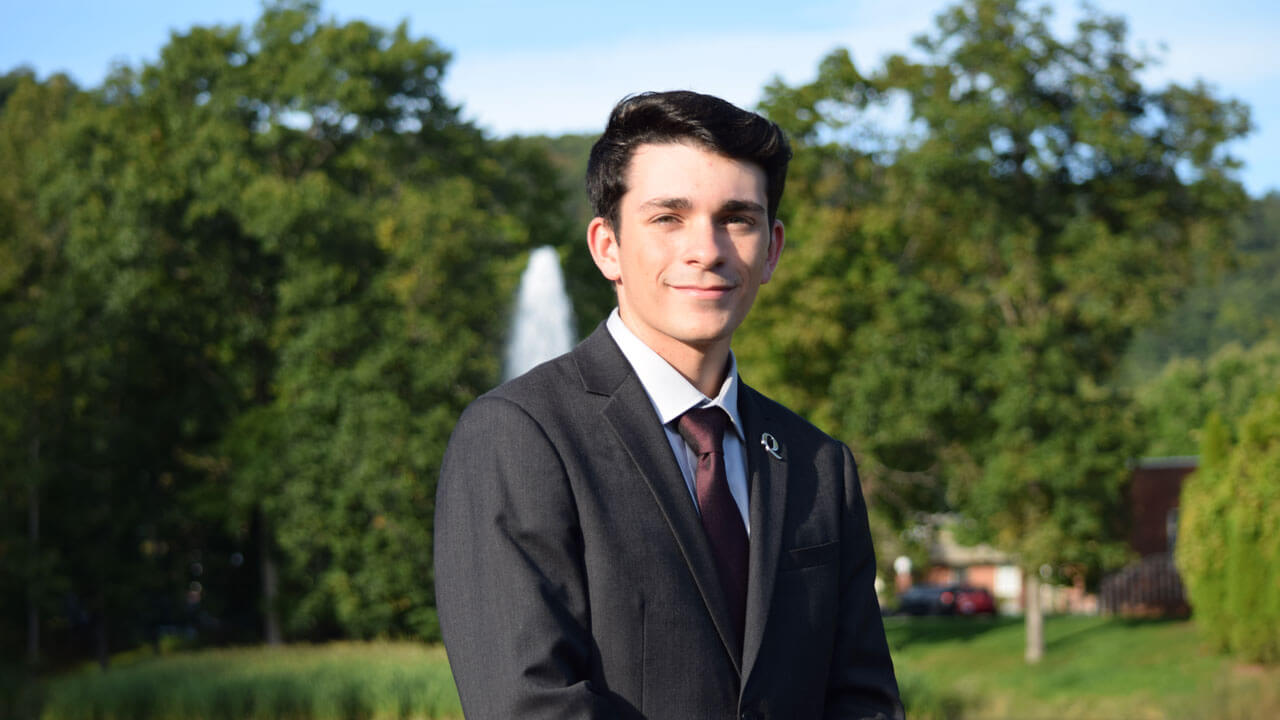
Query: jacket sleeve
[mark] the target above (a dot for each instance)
(861, 683)
(509, 577)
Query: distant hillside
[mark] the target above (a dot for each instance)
(1242, 307)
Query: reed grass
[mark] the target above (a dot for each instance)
(338, 681)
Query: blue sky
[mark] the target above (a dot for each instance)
(559, 65)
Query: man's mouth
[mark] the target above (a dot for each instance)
(707, 291)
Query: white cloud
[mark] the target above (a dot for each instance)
(572, 89)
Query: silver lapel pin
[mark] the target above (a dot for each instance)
(771, 445)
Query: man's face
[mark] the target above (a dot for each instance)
(692, 247)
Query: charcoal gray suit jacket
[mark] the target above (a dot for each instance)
(573, 578)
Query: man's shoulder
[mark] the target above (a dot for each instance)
(559, 399)
(540, 402)
(549, 383)
(594, 366)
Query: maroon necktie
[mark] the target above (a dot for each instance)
(703, 431)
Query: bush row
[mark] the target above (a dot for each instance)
(1228, 546)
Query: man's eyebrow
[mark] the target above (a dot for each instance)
(742, 206)
(679, 203)
(667, 203)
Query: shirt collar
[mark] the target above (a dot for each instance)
(668, 390)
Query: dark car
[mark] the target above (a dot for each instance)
(946, 600)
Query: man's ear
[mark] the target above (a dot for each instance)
(777, 238)
(603, 243)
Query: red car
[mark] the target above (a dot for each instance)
(946, 600)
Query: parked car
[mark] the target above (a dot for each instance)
(946, 600)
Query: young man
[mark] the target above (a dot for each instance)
(629, 530)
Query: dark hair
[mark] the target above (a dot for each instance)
(682, 116)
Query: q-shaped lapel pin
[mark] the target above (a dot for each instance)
(771, 445)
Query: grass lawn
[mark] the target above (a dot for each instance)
(1095, 668)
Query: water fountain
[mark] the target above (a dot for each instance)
(543, 324)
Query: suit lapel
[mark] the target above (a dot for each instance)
(767, 478)
(630, 416)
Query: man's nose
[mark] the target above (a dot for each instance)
(705, 243)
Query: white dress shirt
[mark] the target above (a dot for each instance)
(671, 395)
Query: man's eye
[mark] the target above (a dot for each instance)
(666, 219)
(740, 220)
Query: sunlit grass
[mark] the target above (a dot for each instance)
(1095, 668)
(338, 680)
(955, 668)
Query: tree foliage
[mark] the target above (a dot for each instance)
(1228, 547)
(1173, 406)
(245, 291)
(955, 296)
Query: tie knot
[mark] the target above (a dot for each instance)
(703, 429)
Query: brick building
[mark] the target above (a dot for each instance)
(1151, 585)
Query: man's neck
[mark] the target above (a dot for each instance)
(704, 370)
(704, 366)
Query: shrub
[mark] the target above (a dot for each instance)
(1228, 547)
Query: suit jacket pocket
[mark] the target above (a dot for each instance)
(813, 555)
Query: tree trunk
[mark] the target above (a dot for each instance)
(101, 642)
(1034, 617)
(270, 577)
(33, 545)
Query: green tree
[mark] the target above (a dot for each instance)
(1176, 404)
(386, 234)
(966, 286)
(1228, 549)
(101, 336)
(253, 285)
(32, 376)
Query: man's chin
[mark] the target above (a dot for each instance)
(706, 336)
